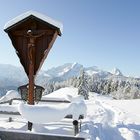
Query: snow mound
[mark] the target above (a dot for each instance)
(62, 94)
(76, 99)
(40, 114)
(11, 94)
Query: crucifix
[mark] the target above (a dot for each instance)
(29, 34)
(32, 35)
(31, 57)
(32, 41)
(31, 45)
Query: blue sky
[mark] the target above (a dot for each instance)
(103, 33)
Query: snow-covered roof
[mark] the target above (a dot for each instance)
(37, 15)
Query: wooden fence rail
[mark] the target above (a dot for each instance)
(10, 135)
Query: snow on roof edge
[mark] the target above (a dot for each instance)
(36, 14)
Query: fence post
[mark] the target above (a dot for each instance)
(10, 103)
(76, 129)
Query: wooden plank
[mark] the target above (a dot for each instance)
(55, 101)
(11, 135)
(9, 113)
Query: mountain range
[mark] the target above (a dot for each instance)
(69, 70)
(11, 76)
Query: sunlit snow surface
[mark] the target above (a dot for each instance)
(106, 119)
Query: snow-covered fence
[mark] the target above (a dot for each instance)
(11, 110)
(76, 109)
(41, 114)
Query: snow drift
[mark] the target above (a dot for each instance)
(41, 114)
(11, 94)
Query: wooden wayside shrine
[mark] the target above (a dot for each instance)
(32, 35)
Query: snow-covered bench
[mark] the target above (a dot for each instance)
(45, 113)
(41, 114)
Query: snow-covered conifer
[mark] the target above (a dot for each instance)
(83, 86)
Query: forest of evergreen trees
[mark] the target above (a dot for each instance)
(119, 87)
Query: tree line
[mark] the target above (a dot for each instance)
(119, 87)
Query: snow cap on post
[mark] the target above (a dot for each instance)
(33, 14)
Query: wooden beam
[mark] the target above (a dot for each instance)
(23, 33)
(31, 85)
(13, 135)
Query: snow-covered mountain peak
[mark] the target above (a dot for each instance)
(74, 64)
(69, 67)
(116, 72)
(66, 70)
(92, 70)
(71, 70)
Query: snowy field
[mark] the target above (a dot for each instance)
(106, 119)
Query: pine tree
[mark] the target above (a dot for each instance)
(83, 86)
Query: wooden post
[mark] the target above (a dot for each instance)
(76, 129)
(10, 103)
(31, 57)
(31, 85)
(31, 90)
